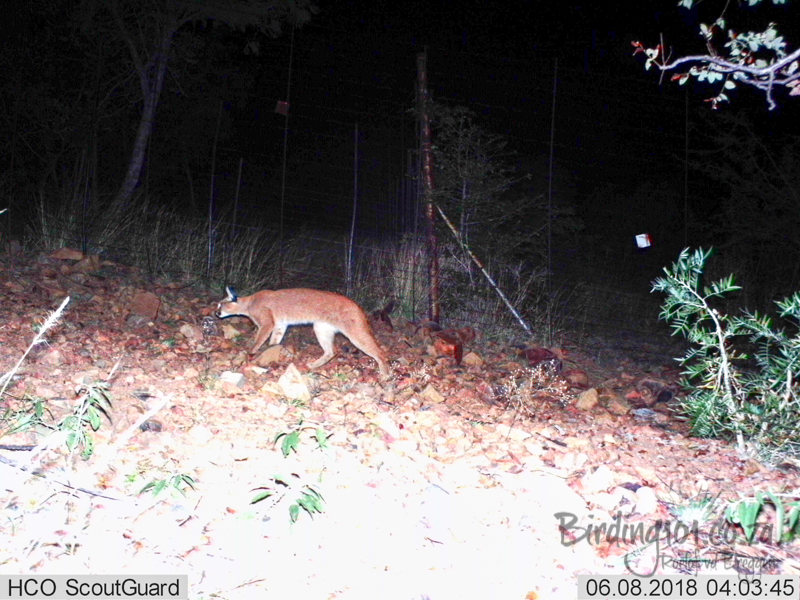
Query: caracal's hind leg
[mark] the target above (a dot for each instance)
(370, 347)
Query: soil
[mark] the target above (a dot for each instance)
(473, 479)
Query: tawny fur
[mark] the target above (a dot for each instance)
(272, 311)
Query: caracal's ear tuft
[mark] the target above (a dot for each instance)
(231, 294)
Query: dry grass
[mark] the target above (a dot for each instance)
(163, 243)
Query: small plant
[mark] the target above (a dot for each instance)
(38, 339)
(291, 488)
(730, 392)
(94, 402)
(306, 496)
(291, 439)
(699, 510)
(745, 513)
(527, 390)
(24, 418)
(175, 485)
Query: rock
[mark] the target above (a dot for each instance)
(88, 264)
(136, 321)
(145, 304)
(615, 404)
(537, 356)
(269, 356)
(472, 359)
(43, 391)
(387, 424)
(235, 379)
(646, 501)
(200, 434)
(292, 385)
(13, 286)
(647, 474)
(191, 332)
(52, 357)
(576, 378)
(448, 343)
(432, 395)
(587, 400)
(570, 461)
(653, 390)
(66, 254)
(229, 331)
(516, 435)
(608, 501)
(601, 480)
(576, 442)
(751, 467)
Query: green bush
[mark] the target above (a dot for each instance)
(750, 396)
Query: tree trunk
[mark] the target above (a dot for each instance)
(426, 166)
(152, 81)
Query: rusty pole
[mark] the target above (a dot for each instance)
(426, 169)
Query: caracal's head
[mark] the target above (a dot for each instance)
(227, 307)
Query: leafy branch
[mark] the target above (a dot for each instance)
(757, 59)
(755, 397)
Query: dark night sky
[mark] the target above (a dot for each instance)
(615, 126)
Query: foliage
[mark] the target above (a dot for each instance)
(75, 428)
(305, 496)
(699, 509)
(752, 213)
(93, 402)
(472, 169)
(175, 484)
(291, 439)
(768, 517)
(758, 59)
(24, 418)
(481, 190)
(163, 244)
(731, 392)
(397, 271)
(291, 488)
(745, 513)
(149, 32)
(5, 379)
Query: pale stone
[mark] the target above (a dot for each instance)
(432, 395)
(513, 434)
(616, 405)
(292, 385)
(269, 356)
(236, 379)
(602, 479)
(191, 332)
(67, 254)
(229, 331)
(587, 400)
(472, 359)
(646, 501)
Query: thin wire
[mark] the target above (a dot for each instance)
(686, 174)
(285, 151)
(550, 182)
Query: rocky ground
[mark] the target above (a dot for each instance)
(477, 478)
